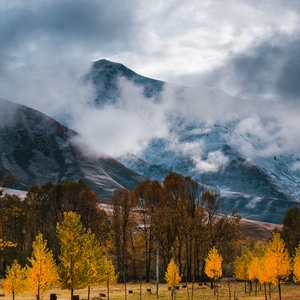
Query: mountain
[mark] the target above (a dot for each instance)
(105, 74)
(261, 187)
(35, 149)
(202, 133)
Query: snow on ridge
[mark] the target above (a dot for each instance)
(21, 194)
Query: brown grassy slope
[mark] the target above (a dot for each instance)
(258, 230)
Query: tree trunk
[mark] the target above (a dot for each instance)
(256, 287)
(265, 289)
(279, 289)
(107, 285)
(38, 294)
(89, 292)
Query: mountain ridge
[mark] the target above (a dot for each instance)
(35, 149)
(260, 187)
(212, 152)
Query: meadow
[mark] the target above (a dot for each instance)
(137, 291)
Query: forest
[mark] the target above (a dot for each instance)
(140, 229)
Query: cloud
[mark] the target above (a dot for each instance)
(214, 161)
(57, 90)
(45, 31)
(174, 40)
(269, 71)
(125, 127)
(246, 48)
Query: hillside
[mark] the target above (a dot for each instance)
(260, 186)
(35, 149)
(155, 128)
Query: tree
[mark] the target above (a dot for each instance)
(148, 193)
(42, 271)
(108, 274)
(14, 281)
(93, 260)
(123, 225)
(213, 265)
(242, 264)
(296, 265)
(12, 223)
(277, 261)
(256, 267)
(72, 268)
(290, 231)
(172, 276)
(82, 263)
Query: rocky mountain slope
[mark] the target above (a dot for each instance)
(260, 186)
(203, 133)
(35, 149)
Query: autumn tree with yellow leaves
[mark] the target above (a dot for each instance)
(98, 268)
(82, 263)
(14, 281)
(108, 274)
(41, 273)
(72, 268)
(277, 262)
(213, 265)
(241, 266)
(256, 267)
(172, 276)
(296, 265)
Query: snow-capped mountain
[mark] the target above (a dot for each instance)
(155, 128)
(35, 149)
(260, 185)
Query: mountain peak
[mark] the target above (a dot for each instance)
(107, 63)
(105, 75)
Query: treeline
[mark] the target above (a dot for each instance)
(177, 220)
(174, 220)
(267, 264)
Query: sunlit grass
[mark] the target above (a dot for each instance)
(136, 291)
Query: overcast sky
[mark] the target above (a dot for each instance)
(248, 48)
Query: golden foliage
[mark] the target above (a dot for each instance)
(6, 244)
(276, 260)
(172, 275)
(296, 265)
(242, 264)
(14, 281)
(71, 235)
(108, 272)
(42, 271)
(213, 264)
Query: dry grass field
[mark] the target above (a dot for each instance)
(139, 291)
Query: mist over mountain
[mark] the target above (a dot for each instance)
(246, 149)
(241, 147)
(36, 149)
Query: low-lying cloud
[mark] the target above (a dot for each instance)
(124, 127)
